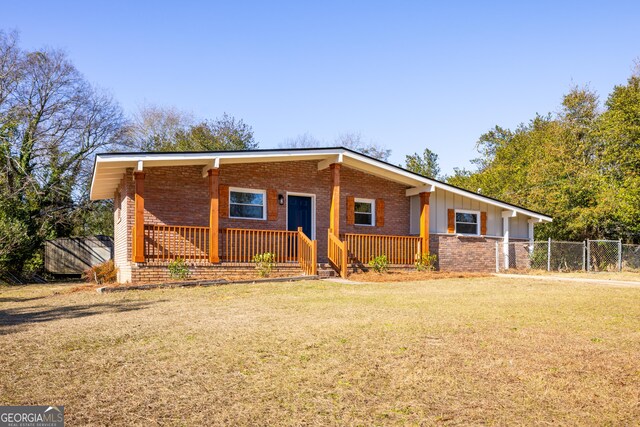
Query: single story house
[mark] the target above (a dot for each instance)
(216, 210)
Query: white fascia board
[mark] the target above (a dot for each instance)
(148, 157)
(214, 164)
(390, 168)
(493, 202)
(323, 164)
(450, 188)
(131, 160)
(417, 190)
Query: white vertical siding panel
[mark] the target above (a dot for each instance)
(441, 195)
(519, 227)
(494, 221)
(414, 212)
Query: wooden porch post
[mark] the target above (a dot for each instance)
(138, 248)
(213, 214)
(334, 216)
(424, 221)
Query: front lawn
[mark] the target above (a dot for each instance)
(480, 350)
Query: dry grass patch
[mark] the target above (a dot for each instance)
(632, 276)
(473, 351)
(411, 276)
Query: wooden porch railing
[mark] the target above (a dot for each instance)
(307, 253)
(240, 245)
(337, 251)
(398, 249)
(169, 242)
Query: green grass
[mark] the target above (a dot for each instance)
(452, 351)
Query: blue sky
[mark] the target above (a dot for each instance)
(407, 75)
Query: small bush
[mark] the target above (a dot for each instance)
(107, 272)
(178, 269)
(34, 264)
(379, 264)
(265, 263)
(426, 262)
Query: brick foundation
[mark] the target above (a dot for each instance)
(473, 253)
(158, 273)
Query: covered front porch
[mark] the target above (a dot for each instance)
(166, 243)
(216, 246)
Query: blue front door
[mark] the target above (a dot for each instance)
(299, 214)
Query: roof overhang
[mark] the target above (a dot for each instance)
(109, 169)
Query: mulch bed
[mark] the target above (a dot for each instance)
(411, 276)
(193, 283)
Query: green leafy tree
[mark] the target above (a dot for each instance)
(579, 166)
(425, 165)
(156, 128)
(222, 134)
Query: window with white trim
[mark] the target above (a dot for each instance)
(248, 204)
(365, 211)
(467, 222)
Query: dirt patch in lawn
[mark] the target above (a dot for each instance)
(411, 276)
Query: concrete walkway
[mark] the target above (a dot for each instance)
(626, 283)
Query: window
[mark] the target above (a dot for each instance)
(246, 203)
(467, 222)
(364, 212)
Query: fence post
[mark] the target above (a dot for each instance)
(588, 255)
(345, 260)
(619, 254)
(549, 254)
(497, 257)
(584, 256)
(314, 258)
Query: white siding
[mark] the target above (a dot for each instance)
(519, 227)
(442, 200)
(414, 212)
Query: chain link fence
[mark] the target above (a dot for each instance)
(551, 255)
(631, 257)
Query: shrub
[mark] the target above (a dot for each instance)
(265, 263)
(379, 264)
(107, 272)
(426, 262)
(178, 269)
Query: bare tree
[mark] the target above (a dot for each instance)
(351, 140)
(154, 128)
(52, 122)
(355, 142)
(305, 140)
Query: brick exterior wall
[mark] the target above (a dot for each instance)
(179, 195)
(122, 226)
(474, 253)
(150, 273)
